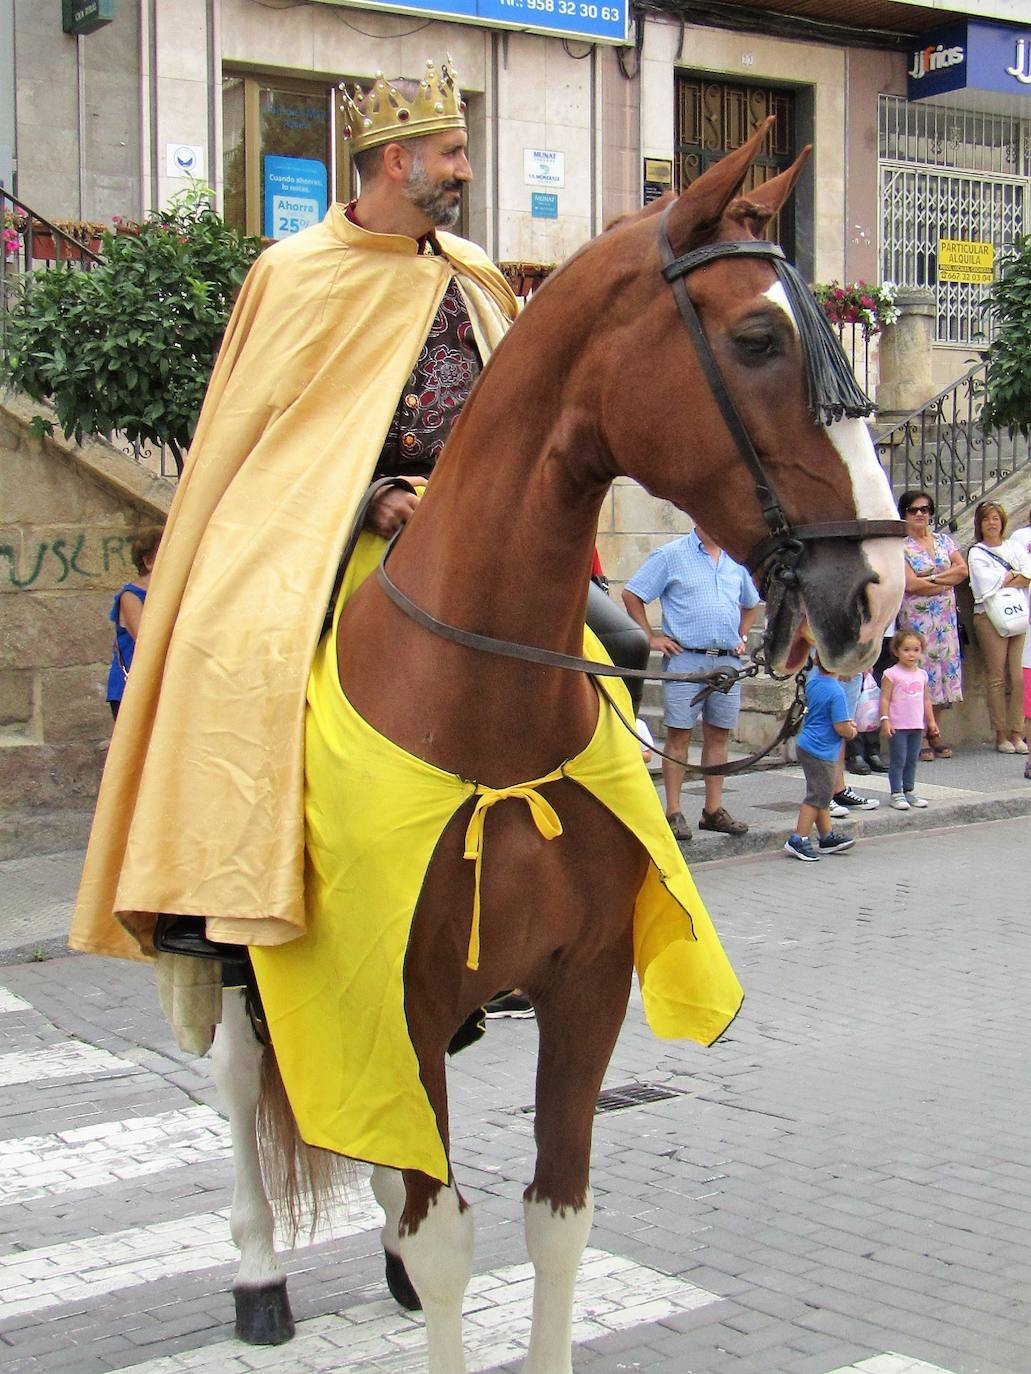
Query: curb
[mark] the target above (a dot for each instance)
(1001, 806)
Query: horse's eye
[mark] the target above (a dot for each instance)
(757, 346)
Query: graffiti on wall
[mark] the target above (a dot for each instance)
(74, 559)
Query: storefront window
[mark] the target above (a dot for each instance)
(280, 161)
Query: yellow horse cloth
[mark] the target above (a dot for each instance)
(334, 998)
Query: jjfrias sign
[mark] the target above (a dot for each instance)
(972, 59)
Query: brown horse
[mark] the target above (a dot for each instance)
(599, 377)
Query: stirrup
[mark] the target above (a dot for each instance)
(186, 935)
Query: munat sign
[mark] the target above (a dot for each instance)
(971, 56)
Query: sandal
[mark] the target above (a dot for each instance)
(678, 824)
(942, 751)
(722, 822)
(927, 755)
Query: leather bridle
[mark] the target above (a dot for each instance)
(781, 551)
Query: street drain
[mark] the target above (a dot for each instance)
(618, 1099)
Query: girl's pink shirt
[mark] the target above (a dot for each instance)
(906, 709)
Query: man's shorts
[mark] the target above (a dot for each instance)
(819, 779)
(717, 709)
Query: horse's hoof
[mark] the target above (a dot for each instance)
(263, 1315)
(400, 1284)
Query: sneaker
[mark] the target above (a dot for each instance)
(877, 765)
(853, 801)
(838, 812)
(835, 844)
(898, 802)
(1006, 746)
(512, 1006)
(801, 849)
(859, 766)
(1020, 746)
(918, 802)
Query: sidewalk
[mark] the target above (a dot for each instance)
(37, 893)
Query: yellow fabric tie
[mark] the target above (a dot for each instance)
(545, 817)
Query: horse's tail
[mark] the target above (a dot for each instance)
(301, 1180)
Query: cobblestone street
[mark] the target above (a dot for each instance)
(841, 1185)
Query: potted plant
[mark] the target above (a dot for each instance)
(84, 231)
(858, 303)
(525, 277)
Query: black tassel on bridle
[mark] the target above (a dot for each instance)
(834, 393)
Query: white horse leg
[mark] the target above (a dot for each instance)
(555, 1241)
(259, 1291)
(438, 1253)
(388, 1189)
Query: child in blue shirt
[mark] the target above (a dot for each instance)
(827, 722)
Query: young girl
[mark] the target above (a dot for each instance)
(906, 712)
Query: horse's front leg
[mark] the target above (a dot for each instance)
(579, 1020)
(436, 1238)
(263, 1314)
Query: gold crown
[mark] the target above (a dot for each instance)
(382, 114)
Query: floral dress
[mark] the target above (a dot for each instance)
(935, 618)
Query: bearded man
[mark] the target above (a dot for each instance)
(349, 353)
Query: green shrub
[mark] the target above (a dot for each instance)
(130, 345)
(1008, 385)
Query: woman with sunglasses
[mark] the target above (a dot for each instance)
(934, 568)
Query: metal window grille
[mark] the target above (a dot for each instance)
(950, 174)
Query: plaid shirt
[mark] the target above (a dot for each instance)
(701, 601)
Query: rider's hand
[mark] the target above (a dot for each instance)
(741, 648)
(669, 648)
(391, 509)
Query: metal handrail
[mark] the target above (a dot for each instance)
(33, 218)
(943, 449)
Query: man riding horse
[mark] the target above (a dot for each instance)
(349, 355)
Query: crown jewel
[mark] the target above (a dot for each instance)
(382, 114)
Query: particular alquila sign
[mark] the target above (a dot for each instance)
(593, 20)
(971, 55)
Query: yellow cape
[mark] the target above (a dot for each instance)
(201, 806)
(334, 999)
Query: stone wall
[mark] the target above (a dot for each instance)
(69, 514)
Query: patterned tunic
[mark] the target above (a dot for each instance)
(434, 394)
(935, 618)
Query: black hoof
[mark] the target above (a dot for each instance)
(400, 1284)
(263, 1315)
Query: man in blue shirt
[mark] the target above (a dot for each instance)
(708, 604)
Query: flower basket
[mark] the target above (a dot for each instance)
(858, 303)
(44, 248)
(525, 277)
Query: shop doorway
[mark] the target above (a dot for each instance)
(284, 154)
(715, 117)
(280, 163)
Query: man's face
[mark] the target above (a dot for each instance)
(439, 168)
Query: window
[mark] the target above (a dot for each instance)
(950, 174)
(283, 156)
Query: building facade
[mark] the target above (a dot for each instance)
(917, 138)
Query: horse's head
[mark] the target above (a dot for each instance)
(663, 422)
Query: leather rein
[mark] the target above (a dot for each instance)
(777, 555)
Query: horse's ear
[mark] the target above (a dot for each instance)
(696, 216)
(772, 194)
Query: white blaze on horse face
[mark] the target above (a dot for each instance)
(873, 501)
(777, 296)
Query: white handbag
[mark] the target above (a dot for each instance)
(1006, 607)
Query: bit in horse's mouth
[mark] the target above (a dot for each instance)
(786, 641)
